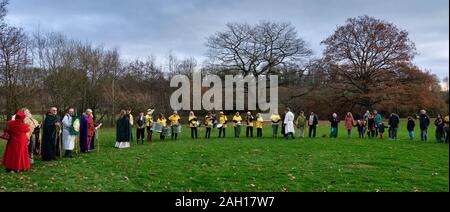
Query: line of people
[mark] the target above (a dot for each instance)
(27, 137)
(370, 124)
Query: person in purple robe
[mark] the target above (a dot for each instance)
(84, 133)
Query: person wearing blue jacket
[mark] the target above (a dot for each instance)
(378, 119)
(424, 121)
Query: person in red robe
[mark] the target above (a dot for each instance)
(90, 129)
(15, 158)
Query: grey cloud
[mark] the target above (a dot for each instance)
(143, 27)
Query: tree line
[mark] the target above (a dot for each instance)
(367, 63)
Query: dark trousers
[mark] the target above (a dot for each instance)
(222, 130)
(149, 134)
(237, 131)
(283, 129)
(162, 136)
(249, 132)
(394, 132)
(361, 133)
(286, 135)
(440, 135)
(208, 132)
(446, 130)
(259, 132)
(312, 130)
(371, 133)
(140, 135)
(173, 135)
(68, 154)
(194, 132)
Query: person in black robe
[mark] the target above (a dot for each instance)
(50, 130)
(283, 125)
(123, 131)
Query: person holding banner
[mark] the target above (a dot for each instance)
(149, 124)
(208, 124)
(193, 124)
(237, 123)
(222, 126)
(175, 124)
(67, 137)
(162, 122)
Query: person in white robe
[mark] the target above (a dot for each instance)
(289, 124)
(68, 139)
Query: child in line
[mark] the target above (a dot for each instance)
(410, 127)
(361, 127)
(381, 129)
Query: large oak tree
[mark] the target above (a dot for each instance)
(364, 57)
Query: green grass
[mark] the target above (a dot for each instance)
(320, 164)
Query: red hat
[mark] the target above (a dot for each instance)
(20, 116)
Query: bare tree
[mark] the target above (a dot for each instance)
(364, 56)
(3, 10)
(256, 49)
(14, 64)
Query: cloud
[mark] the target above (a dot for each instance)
(151, 27)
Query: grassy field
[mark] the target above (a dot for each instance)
(320, 164)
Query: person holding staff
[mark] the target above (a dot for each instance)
(50, 131)
(33, 134)
(68, 139)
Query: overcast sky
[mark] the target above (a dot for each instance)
(140, 28)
